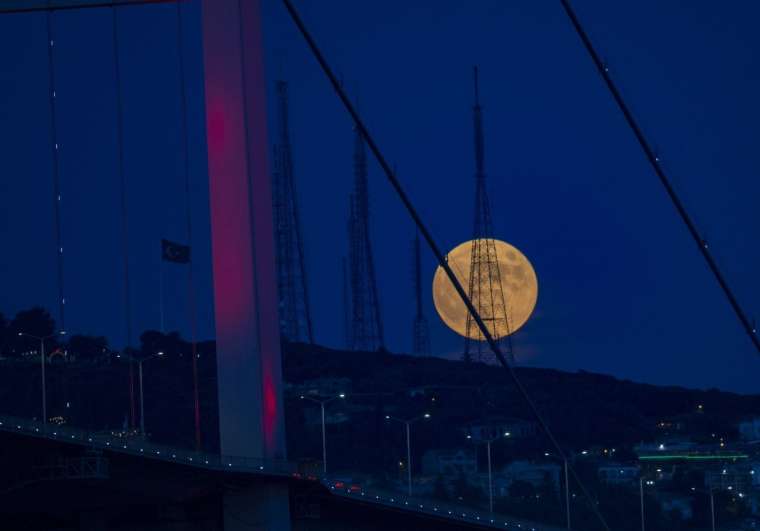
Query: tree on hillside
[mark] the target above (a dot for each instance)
(36, 322)
(171, 344)
(84, 347)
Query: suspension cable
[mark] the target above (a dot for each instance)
(79, 6)
(124, 210)
(394, 182)
(189, 226)
(654, 161)
(56, 172)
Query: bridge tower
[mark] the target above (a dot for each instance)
(485, 286)
(249, 368)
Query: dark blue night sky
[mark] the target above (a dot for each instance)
(622, 288)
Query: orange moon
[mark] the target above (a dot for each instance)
(519, 284)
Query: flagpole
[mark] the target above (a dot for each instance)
(189, 225)
(194, 352)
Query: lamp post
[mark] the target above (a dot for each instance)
(567, 484)
(488, 454)
(42, 366)
(140, 382)
(407, 423)
(711, 492)
(641, 497)
(322, 402)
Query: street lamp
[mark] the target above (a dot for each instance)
(641, 496)
(408, 423)
(140, 362)
(322, 403)
(488, 442)
(711, 492)
(42, 365)
(567, 484)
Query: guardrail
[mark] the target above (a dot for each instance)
(433, 508)
(145, 448)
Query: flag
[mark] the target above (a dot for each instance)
(175, 252)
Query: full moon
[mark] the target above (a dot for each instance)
(519, 285)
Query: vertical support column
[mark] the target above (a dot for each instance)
(245, 300)
(249, 368)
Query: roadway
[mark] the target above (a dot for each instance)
(263, 468)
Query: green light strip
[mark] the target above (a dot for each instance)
(671, 457)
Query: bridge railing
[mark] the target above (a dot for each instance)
(433, 508)
(145, 448)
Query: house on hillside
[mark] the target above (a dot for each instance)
(734, 477)
(449, 463)
(537, 474)
(674, 503)
(323, 387)
(618, 474)
(496, 427)
(313, 417)
(749, 430)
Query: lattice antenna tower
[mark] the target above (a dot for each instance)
(366, 323)
(421, 333)
(485, 284)
(292, 286)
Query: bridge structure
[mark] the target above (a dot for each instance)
(249, 367)
(101, 449)
(253, 478)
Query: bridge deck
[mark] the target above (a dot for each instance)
(262, 467)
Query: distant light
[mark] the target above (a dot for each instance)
(387, 417)
(62, 332)
(507, 434)
(342, 395)
(546, 454)
(160, 353)
(661, 447)
(585, 452)
(426, 415)
(302, 397)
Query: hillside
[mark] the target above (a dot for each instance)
(582, 408)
